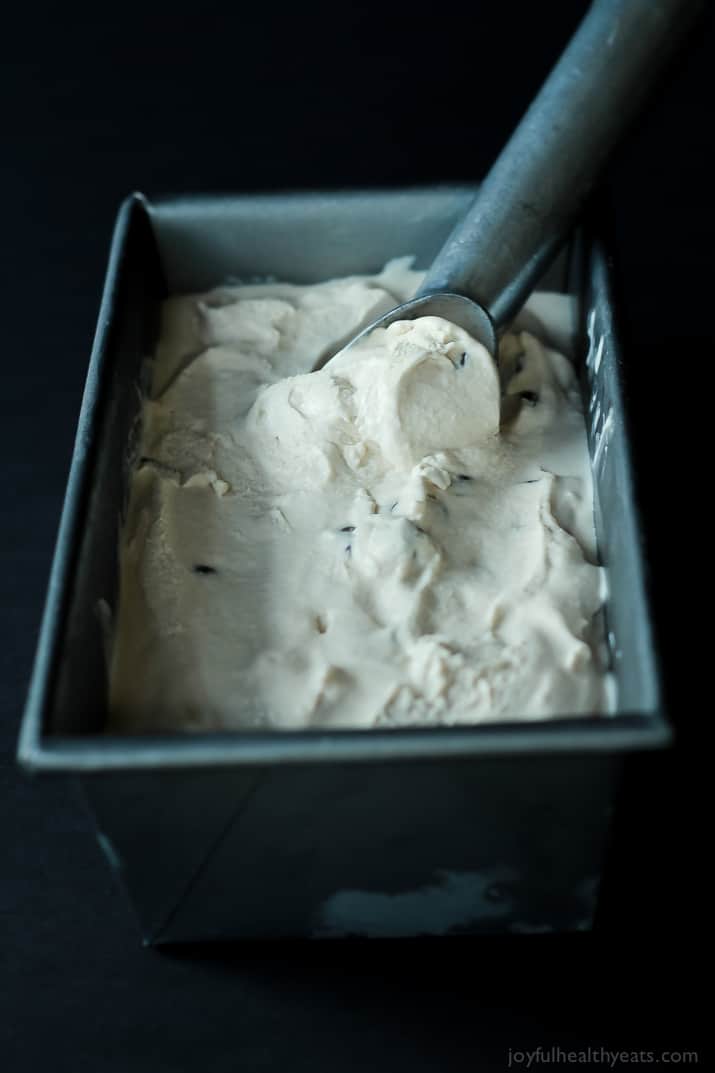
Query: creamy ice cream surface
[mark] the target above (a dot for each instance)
(403, 538)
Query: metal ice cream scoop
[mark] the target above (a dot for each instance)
(527, 204)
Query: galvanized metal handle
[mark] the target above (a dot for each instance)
(528, 201)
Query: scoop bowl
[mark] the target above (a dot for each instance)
(456, 308)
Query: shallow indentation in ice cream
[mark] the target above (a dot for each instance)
(403, 538)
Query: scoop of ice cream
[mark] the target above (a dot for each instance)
(421, 386)
(394, 397)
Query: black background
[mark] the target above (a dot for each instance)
(97, 103)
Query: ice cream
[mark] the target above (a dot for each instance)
(403, 538)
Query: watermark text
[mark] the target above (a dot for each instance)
(597, 1056)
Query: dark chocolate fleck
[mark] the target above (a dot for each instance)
(348, 529)
(393, 505)
(200, 568)
(463, 359)
(463, 477)
(348, 549)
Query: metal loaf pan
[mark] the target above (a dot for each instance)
(394, 832)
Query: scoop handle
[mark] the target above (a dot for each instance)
(529, 200)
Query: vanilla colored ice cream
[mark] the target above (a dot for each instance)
(404, 538)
